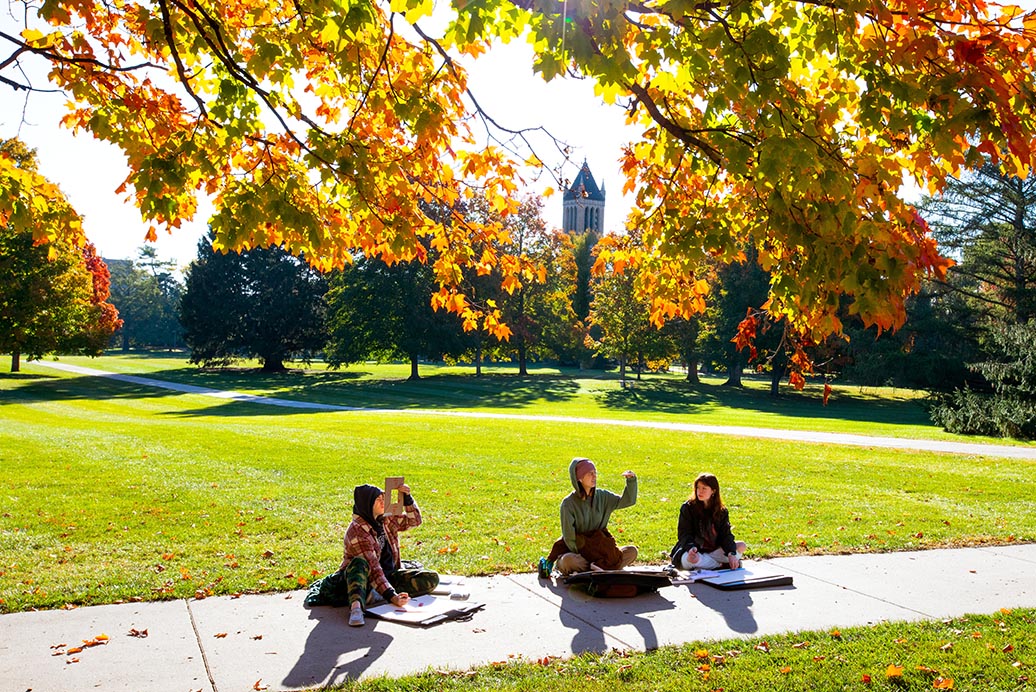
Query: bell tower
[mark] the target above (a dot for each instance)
(584, 205)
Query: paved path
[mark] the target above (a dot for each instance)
(272, 642)
(941, 446)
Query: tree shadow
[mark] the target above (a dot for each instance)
(335, 653)
(678, 397)
(44, 388)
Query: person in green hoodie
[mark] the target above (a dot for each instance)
(585, 542)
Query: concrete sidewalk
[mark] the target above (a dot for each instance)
(272, 642)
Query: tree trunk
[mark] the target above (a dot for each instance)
(414, 375)
(692, 372)
(622, 370)
(16, 361)
(734, 371)
(478, 358)
(522, 356)
(273, 365)
(775, 381)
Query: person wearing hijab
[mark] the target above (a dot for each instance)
(371, 561)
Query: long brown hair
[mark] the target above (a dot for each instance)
(715, 505)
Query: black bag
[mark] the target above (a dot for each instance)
(622, 583)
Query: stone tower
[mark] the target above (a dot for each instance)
(584, 205)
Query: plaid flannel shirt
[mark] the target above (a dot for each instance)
(362, 539)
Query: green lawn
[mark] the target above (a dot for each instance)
(114, 491)
(570, 392)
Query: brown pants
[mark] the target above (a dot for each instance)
(570, 563)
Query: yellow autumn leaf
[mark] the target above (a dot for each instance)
(894, 671)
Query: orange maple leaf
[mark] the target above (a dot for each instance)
(943, 683)
(894, 671)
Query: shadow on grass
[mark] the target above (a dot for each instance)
(351, 389)
(356, 388)
(669, 396)
(435, 392)
(43, 388)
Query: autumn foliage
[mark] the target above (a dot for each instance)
(325, 125)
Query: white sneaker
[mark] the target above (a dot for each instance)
(356, 617)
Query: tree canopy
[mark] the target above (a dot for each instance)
(53, 295)
(324, 125)
(262, 302)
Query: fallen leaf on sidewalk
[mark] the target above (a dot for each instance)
(137, 633)
(259, 686)
(219, 635)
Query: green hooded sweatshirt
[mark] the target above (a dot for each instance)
(583, 514)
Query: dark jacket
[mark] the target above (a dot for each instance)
(694, 530)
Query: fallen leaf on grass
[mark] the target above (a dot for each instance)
(701, 653)
(1008, 648)
(948, 646)
(943, 683)
(800, 645)
(894, 671)
(786, 669)
(865, 679)
(763, 646)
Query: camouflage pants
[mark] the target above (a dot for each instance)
(416, 582)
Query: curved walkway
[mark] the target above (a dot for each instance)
(940, 446)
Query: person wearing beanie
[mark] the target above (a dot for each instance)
(585, 542)
(371, 561)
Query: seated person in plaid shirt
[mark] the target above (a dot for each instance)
(371, 561)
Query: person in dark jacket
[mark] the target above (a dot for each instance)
(705, 539)
(370, 558)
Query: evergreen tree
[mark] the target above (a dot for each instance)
(262, 303)
(384, 312)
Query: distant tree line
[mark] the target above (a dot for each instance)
(966, 339)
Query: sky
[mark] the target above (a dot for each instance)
(89, 171)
